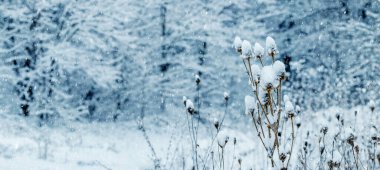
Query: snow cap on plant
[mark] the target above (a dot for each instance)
(286, 98)
(250, 104)
(263, 96)
(271, 47)
(268, 77)
(246, 49)
(237, 44)
(197, 79)
(226, 95)
(190, 106)
(256, 71)
(298, 109)
(289, 109)
(279, 69)
(216, 124)
(184, 98)
(298, 121)
(222, 138)
(371, 105)
(258, 50)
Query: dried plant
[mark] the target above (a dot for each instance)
(267, 108)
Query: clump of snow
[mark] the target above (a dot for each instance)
(286, 98)
(279, 68)
(246, 49)
(197, 79)
(256, 71)
(237, 43)
(226, 95)
(298, 109)
(189, 106)
(250, 104)
(222, 138)
(268, 77)
(289, 107)
(258, 51)
(263, 95)
(184, 98)
(371, 105)
(271, 46)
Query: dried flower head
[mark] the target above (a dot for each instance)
(237, 44)
(282, 157)
(289, 109)
(279, 69)
(250, 104)
(268, 78)
(258, 50)
(371, 105)
(246, 49)
(197, 79)
(184, 98)
(256, 71)
(216, 124)
(324, 130)
(271, 47)
(226, 96)
(190, 106)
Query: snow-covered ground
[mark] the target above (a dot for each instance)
(121, 145)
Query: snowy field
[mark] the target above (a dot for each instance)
(121, 145)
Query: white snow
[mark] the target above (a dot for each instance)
(250, 104)
(237, 43)
(289, 107)
(286, 98)
(371, 104)
(258, 51)
(189, 104)
(256, 71)
(268, 77)
(279, 68)
(223, 137)
(271, 46)
(246, 49)
(226, 95)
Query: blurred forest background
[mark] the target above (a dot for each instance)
(119, 59)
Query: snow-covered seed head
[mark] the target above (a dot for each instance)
(268, 77)
(256, 71)
(197, 79)
(222, 138)
(298, 121)
(348, 135)
(226, 96)
(271, 47)
(216, 124)
(282, 157)
(246, 49)
(250, 104)
(184, 98)
(263, 96)
(286, 98)
(324, 130)
(190, 106)
(371, 105)
(258, 50)
(298, 109)
(279, 69)
(237, 44)
(289, 109)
